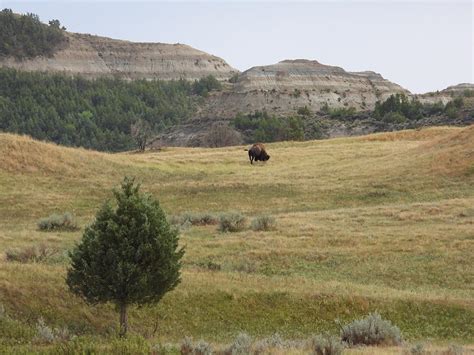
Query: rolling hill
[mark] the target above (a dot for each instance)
(353, 235)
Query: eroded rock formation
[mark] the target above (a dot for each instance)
(94, 56)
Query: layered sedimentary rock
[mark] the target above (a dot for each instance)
(94, 56)
(284, 87)
(459, 88)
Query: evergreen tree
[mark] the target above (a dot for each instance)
(95, 114)
(129, 255)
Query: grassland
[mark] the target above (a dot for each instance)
(383, 222)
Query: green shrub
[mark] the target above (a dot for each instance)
(342, 112)
(304, 111)
(203, 86)
(296, 93)
(234, 78)
(394, 117)
(37, 253)
(451, 112)
(468, 93)
(263, 223)
(371, 330)
(64, 222)
(232, 222)
(326, 345)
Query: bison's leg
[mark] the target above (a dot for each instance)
(251, 158)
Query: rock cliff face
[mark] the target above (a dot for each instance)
(284, 87)
(459, 88)
(93, 56)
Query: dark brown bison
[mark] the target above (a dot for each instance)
(257, 152)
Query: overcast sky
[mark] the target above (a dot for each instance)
(423, 46)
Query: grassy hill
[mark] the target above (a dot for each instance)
(382, 222)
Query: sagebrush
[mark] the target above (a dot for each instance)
(232, 222)
(371, 330)
(263, 223)
(326, 345)
(64, 222)
(195, 219)
(241, 345)
(45, 334)
(35, 253)
(188, 347)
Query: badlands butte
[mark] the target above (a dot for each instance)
(280, 89)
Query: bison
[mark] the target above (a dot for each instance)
(257, 152)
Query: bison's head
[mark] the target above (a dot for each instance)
(264, 156)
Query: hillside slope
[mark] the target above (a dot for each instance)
(94, 56)
(381, 222)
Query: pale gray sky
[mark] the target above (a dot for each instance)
(423, 46)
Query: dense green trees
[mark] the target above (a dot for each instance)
(262, 127)
(25, 36)
(399, 108)
(401, 104)
(94, 114)
(129, 255)
(338, 112)
(205, 85)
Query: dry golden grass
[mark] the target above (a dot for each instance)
(421, 134)
(380, 222)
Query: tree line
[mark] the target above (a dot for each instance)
(260, 126)
(115, 115)
(399, 108)
(25, 36)
(97, 114)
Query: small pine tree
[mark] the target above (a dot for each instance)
(129, 255)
